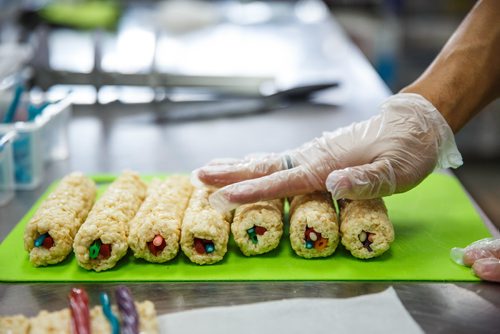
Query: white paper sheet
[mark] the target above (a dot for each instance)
(375, 313)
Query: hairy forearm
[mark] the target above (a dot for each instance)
(465, 76)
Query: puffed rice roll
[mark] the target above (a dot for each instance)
(102, 239)
(314, 228)
(205, 231)
(257, 227)
(60, 321)
(49, 234)
(14, 324)
(155, 230)
(365, 227)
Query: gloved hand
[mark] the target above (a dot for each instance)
(389, 153)
(483, 256)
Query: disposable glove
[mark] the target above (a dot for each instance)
(389, 153)
(483, 256)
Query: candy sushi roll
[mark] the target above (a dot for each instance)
(257, 227)
(314, 230)
(205, 232)
(156, 228)
(15, 324)
(125, 317)
(49, 234)
(365, 227)
(102, 239)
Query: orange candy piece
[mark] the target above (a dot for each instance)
(321, 244)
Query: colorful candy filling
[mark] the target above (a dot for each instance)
(108, 312)
(203, 246)
(79, 308)
(314, 239)
(128, 311)
(45, 241)
(157, 245)
(254, 231)
(99, 251)
(366, 239)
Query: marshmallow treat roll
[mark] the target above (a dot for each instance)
(314, 229)
(155, 230)
(14, 324)
(365, 227)
(49, 234)
(102, 239)
(257, 227)
(60, 321)
(205, 231)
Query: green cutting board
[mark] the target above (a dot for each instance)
(428, 221)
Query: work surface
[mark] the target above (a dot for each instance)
(428, 221)
(107, 139)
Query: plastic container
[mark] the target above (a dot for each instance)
(27, 152)
(38, 141)
(27, 146)
(6, 168)
(55, 132)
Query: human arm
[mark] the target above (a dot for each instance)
(465, 76)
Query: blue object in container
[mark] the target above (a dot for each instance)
(6, 167)
(34, 111)
(23, 159)
(11, 111)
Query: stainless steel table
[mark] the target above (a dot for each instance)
(114, 137)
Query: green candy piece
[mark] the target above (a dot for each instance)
(253, 237)
(94, 249)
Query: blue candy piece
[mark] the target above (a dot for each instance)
(309, 244)
(251, 230)
(209, 247)
(40, 239)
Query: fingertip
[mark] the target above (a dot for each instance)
(220, 201)
(339, 185)
(457, 255)
(195, 178)
(470, 256)
(484, 248)
(487, 269)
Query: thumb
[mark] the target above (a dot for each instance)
(281, 184)
(376, 179)
(487, 269)
(484, 248)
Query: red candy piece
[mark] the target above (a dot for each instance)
(198, 246)
(260, 230)
(79, 308)
(105, 251)
(48, 242)
(162, 245)
(155, 249)
(308, 231)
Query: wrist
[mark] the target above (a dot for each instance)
(442, 105)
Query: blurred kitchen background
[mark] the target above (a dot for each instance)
(108, 53)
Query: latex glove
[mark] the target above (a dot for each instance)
(483, 256)
(389, 153)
